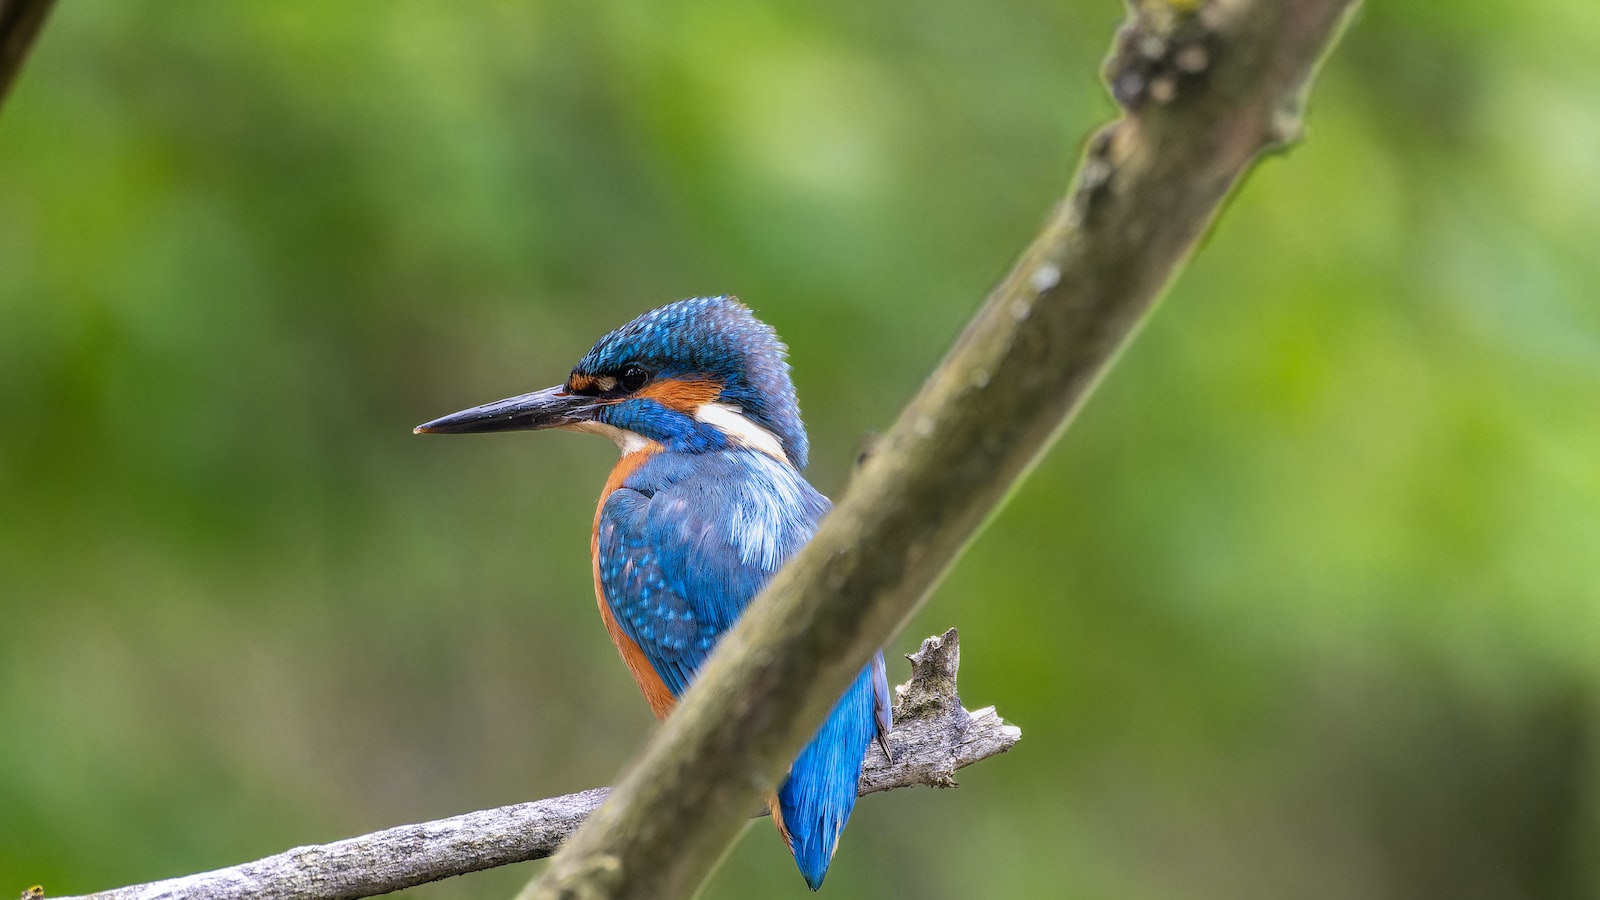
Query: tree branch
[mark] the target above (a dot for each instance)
(932, 738)
(1207, 86)
(20, 21)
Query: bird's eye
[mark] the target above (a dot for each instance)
(633, 378)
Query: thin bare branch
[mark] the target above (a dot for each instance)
(933, 737)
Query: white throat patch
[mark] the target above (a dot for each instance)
(727, 419)
(626, 441)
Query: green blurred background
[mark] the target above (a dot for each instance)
(1304, 605)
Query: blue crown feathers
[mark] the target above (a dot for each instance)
(716, 337)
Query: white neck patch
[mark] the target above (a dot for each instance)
(726, 418)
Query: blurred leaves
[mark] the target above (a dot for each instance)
(1304, 605)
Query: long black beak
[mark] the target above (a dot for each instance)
(549, 408)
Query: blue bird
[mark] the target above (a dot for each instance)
(706, 503)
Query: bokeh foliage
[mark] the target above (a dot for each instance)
(1305, 604)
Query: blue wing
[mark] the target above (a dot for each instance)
(687, 541)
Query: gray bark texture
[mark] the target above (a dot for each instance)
(1207, 86)
(932, 738)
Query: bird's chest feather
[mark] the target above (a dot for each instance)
(656, 693)
(682, 542)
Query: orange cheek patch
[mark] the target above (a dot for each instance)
(684, 396)
(580, 383)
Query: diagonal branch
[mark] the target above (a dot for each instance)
(20, 21)
(933, 737)
(1208, 86)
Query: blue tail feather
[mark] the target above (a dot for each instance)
(820, 791)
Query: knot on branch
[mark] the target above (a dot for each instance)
(933, 734)
(932, 688)
(1163, 52)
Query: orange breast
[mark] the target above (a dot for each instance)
(655, 690)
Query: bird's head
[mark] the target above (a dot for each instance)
(696, 375)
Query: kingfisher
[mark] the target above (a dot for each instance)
(707, 501)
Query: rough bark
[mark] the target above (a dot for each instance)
(1206, 87)
(932, 738)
